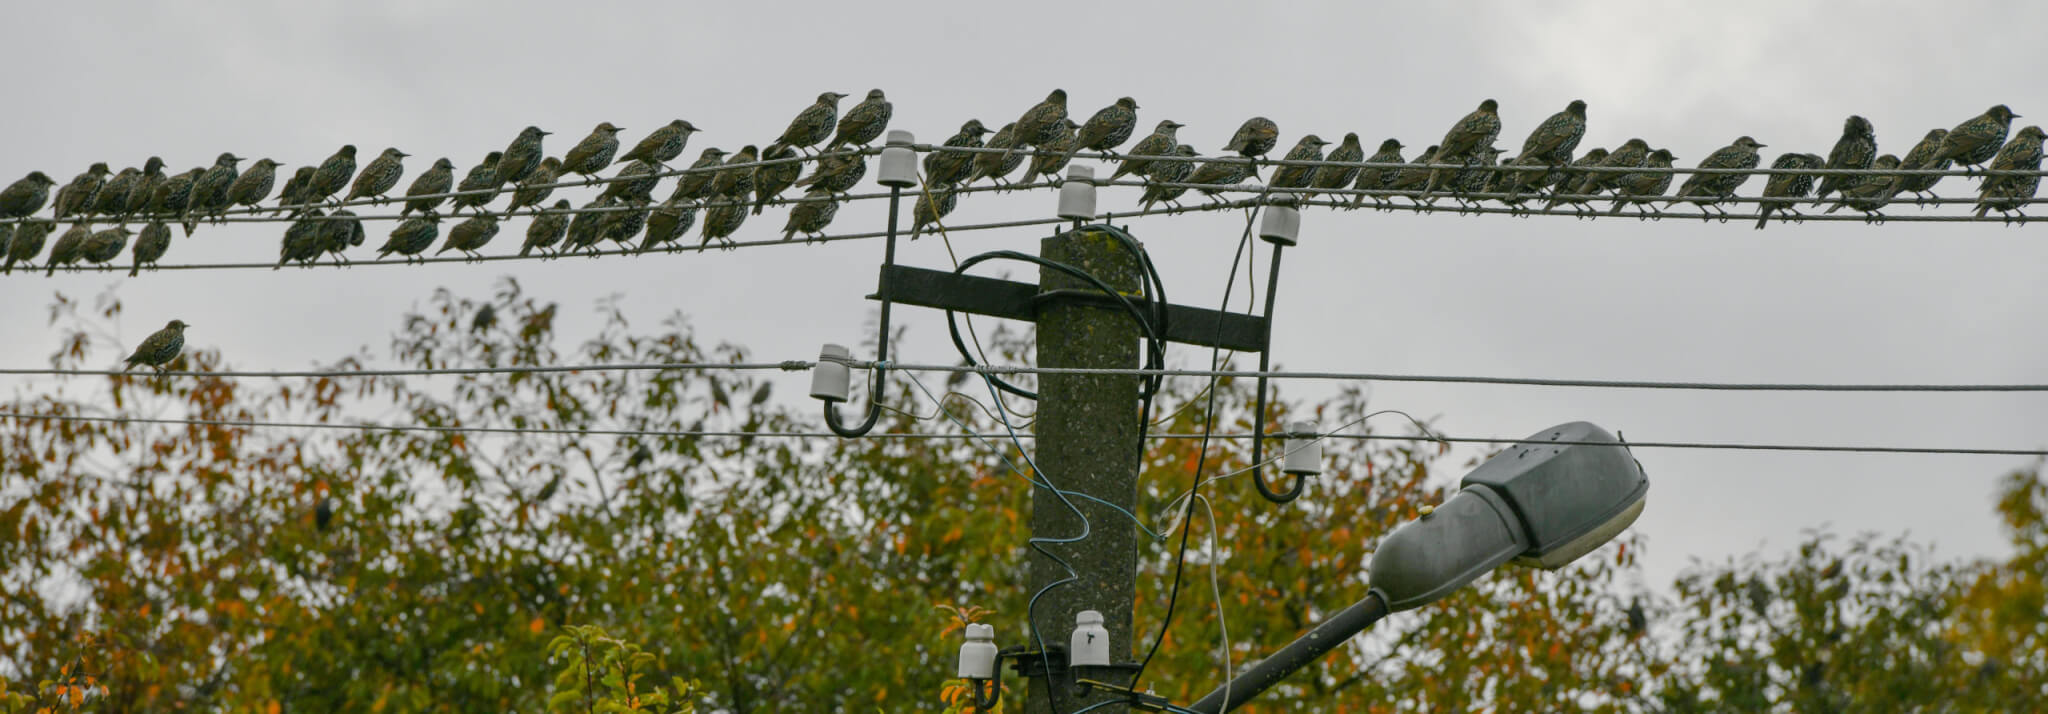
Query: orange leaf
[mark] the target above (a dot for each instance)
(537, 625)
(274, 707)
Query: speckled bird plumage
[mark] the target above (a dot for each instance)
(1787, 185)
(1039, 122)
(1309, 148)
(736, 181)
(1109, 128)
(210, 191)
(29, 237)
(664, 144)
(1167, 171)
(295, 188)
(1160, 142)
(1922, 157)
(440, 178)
(996, 166)
(1476, 174)
(412, 237)
(253, 186)
(593, 153)
(1378, 179)
(470, 235)
(333, 174)
(837, 173)
(813, 125)
(145, 186)
(1870, 194)
(949, 167)
(1414, 176)
(67, 249)
(547, 228)
(1220, 172)
(1979, 139)
(621, 226)
(76, 197)
(380, 176)
(150, 246)
(636, 185)
(1328, 177)
(160, 349)
(340, 232)
(1855, 150)
(771, 180)
(865, 121)
(23, 198)
(520, 157)
(1642, 188)
(1472, 133)
(721, 221)
(586, 227)
(668, 223)
(1057, 153)
(696, 184)
(104, 246)
(171, 196)
(1633, 153)
(811, 214)
(302, 239)
(1710, 189)
(2008, 194)
(1556, 138)
(537, 186)
(112, 199)
(1254, 137)
(481, 177)
(930, 208)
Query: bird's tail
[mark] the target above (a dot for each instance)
(136, 269)
(1763, 216)
(789, 234)
(1983, 208)
(1618, 203)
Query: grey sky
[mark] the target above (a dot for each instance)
(1367, 291)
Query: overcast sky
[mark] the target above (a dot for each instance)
(1366, 291)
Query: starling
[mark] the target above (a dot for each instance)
(1466, 138)
(28, 241)
(1254, 137)
(1055, 156)
(1569, 179)
(587, 226)
(145, 186)
(811, 215)
(593, 153)
(1643, 187)
(174, 193)
(1976, 141)
(160, 349)
(416, 234)
(811, 126)
(2009, 194)
(1168, 171)
(1339, 177)
(253, 185)
(1371, 179)
(663, 145)
(547, 228)
(104, 246)
(294, 193)
(68, 249)
(112, 199)
(771, 180)
(1414, 176)
(1872, 193)
(1922, 158)
(1040, 122)
(1288, 176)
(724, 219)
(302, 240)
(865, 121)
(470, 235)
(76, 197)
(341, 231)
(1220, 172)
(481, 177)
(1787, 185)
(948, 167)
(1108, 129)
(994, 166)
(23, 198)
(696, 184)
(1855, 150)
(837, 173)
(736, 183)
(632, 190)
(621, 226)
(1554, 140)
(931, 206)
(210, 191)
(1159, 143)
(518, 159)
(1473, 178)
(333, 174)
(670, 221)
(6, 237)
(380, 176)
(1710, 189)
(1631, 155)
(536, 187)
(1532, 173)
(437, 180)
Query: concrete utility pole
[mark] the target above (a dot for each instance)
(1087, 441)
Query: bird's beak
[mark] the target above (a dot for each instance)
(1762, 145)
(546, 133)
(403, 154)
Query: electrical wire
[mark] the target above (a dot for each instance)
(1215, 586)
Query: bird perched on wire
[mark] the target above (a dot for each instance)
(621, 226)
(436, 180)
(950, 167)
(1477, 172)
(996, 166)
(669, 222)
(587, 226)
(171, 196)
(302, 239)
(481, 177)
(1708, 190)
(593, 153)
(1168, 171)
(145, 186)
(333, 174)
(380, 176)
(536, 187)
(1050, 162)
(470, 235)
(2009, 194)
(1160, 142)
(6, 237)
(1108, 128)
(210, 191)
(76, 197)
(295, 188)
(104, 246)
(23, 198)
(1290, 176)
(1378, 179)
(158, 350)
(1472, 134)
(1219, 172)
(737, 178)
(416, 234)
(150, 246)
(1631, 154)
(1519, 176)
(253, 186)
(662, 145)
(931, 206)
(1254, 138)
(813, 125)
(1643, 187)
(1338, 177)
(1922, 158)
(1978, 140)
(771, 180)
(28, 241)
(1414, 176)
(341, 231)
(1787, 185)
(811, 214)
(724, 219)
(112, 199)
(696, 184)
(547, 228)
(635, 185)
(1039, 122)
(1872, 193)
(1855, 150)
(519, 158)
(1554, 140)
(837, 173)
(68, 248)
(865, 121)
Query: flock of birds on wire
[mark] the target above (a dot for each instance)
(1464, 165)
